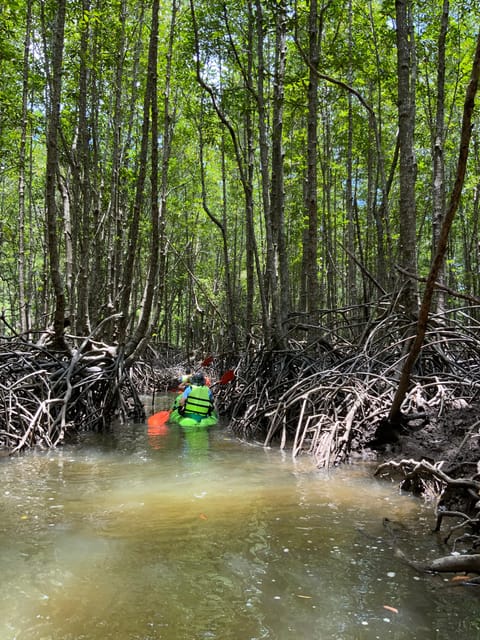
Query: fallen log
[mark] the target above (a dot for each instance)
(446, 564)
(454, 564)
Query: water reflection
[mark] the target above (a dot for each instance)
(186, 535)
(157, 435)
(196, 441)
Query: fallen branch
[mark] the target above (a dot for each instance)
(446, 564)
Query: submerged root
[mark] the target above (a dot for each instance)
(457, 500)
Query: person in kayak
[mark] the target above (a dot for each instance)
(185, 380)
(197, 397)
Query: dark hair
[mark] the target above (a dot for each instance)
(198, 379)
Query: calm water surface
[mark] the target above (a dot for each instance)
(180, 536)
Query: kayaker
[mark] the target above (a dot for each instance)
(197, 397)
(184, 381)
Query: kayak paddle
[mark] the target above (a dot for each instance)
(227, 377)
(157, 419)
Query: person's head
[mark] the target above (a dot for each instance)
(198, 379)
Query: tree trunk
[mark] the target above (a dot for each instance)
(22, 298)
(51, 178)
(83, 201)
(351, 287)
(133, 228)
(310, 243)
(251, 252)
(151, 102)
(114, 230)
(277, 266)
(263, 160)
(168, 118)
(438, 191)
(408, 167)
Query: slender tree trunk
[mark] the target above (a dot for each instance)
(124, 236)
(438, 157)
(51, 177)
(22, 298)
(151, 101)
(310, 244)
(168, 120)
(329, 284)
(112, 236)
(82, 261)
(351, 288)
(264, 154)
(380, 210)
(404, 382)
(277, 265)
(67, 235)
(250, 243)
(128, 273)
(408, 167)
(231, 329)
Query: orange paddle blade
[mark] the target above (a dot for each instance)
(207, 361)
(227, 377)
(158, 419)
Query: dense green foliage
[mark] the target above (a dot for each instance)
(224, 231)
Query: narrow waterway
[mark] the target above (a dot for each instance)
(132, 535)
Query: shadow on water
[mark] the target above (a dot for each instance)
(184, 535)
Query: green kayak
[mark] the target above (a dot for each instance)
(193, 419)
(189, 419)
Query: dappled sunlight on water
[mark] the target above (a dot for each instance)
(185, 536)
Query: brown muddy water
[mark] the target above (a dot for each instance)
(196, 536)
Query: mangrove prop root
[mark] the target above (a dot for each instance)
(46, 395)
(331, 397)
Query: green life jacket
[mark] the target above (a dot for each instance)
(198, 401)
